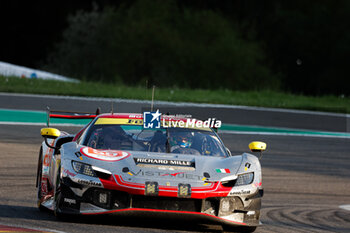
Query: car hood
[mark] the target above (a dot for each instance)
(166, 168)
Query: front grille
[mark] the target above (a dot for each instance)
(166, 203)
(109, 199)
(102, 198)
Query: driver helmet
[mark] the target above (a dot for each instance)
(183, 140)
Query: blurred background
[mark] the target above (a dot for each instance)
(301, 47)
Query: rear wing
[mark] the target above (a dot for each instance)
(70, 115)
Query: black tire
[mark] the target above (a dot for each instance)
(58, 214)
(229, 228)
(38, 179)
(58, 196)
(56, 210)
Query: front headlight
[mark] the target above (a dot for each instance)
(83, 168)
(245, 179)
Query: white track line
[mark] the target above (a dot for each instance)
(31, 228)
(23, 110)
(178, 104)
(345, 207)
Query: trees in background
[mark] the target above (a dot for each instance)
(163, 44)
(309, 42)
(297, 46)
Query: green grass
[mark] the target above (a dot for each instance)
(251, 98)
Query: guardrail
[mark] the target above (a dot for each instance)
(7, 69)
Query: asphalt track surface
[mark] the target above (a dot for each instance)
(305, 180)
(225, 113)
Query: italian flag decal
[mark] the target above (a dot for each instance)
(222, 170)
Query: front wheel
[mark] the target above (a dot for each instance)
(39, 180)
(58, 196)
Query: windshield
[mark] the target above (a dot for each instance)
(164, 140)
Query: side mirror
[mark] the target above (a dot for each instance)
(257, 147)
(51, 133)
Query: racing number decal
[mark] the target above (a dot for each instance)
(47, 160)
(46, 163)
(105, 155)
(44, 190)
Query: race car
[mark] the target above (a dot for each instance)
(115, 165)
